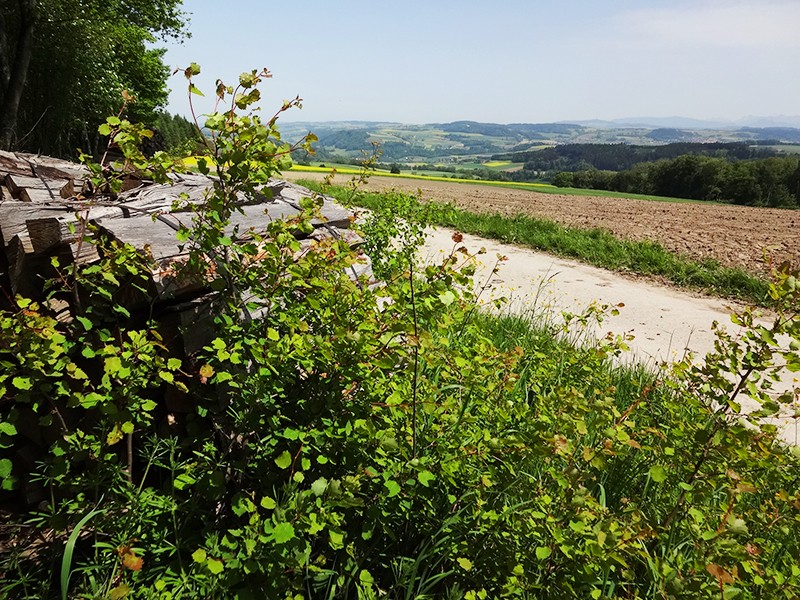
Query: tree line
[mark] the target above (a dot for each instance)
(64, 65)
(618, 157)
(770, 181)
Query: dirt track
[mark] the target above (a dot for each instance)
(733, 235)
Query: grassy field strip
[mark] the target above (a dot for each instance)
(544, 188)
(596, 247)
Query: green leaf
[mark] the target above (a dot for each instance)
(284, 460)
(173, 364)
(425, 477)
(393, 487)
(447, 298)
(319, 486)
(199, 555)
(7, 428)
(464, 563)
(87, 324)
(5, 467)
(127, 427)
(543, 552)
(365, 577)
(104, 129)
(283, 532)
(22, 383)
(658, 473)
(336, 539)
(215, 566)
(268, 503)
(166, 376)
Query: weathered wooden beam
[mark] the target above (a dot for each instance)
(14, 214)
(30, 189)
(54, 168)
(11, 163)
(47, 232)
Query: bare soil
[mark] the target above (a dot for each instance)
(736, 236)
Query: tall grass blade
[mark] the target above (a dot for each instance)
(69, 549)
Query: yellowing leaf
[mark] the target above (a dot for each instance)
(119, 592)
(215, 566)
(284, 460)
(129, 558)
(464, 563)
(114, 436)
(199, 555)
(719, 573)
(543, 552)
(22, 383)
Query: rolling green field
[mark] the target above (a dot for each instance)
(544, 188)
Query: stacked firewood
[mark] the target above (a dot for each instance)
(44, 214)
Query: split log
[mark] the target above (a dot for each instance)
(47, 232)
(20, 273)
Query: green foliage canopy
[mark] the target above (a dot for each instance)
(82, 55)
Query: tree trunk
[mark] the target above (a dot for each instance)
(18, 73)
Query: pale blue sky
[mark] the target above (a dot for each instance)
(515, 61)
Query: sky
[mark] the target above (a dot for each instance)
(498, 61)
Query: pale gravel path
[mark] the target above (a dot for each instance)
(665, 322)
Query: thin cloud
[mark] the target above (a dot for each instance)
(727, 24)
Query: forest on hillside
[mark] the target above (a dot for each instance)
(759, 182)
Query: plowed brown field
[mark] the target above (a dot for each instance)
(734, 235)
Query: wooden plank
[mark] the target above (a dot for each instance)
(47, 232)
(188, 325)
(53, 168)
(14, 214)
(258, 216)
(30, 189)
(38, 196)
(153, 237)
(154, 197)
(11, 163)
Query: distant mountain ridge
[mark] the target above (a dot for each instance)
(690, 123)
(467, 141)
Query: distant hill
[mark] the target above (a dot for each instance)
(460, 142)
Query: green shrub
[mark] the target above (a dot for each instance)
(376, 441)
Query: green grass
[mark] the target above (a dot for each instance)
(543, 188)
(597, 247)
